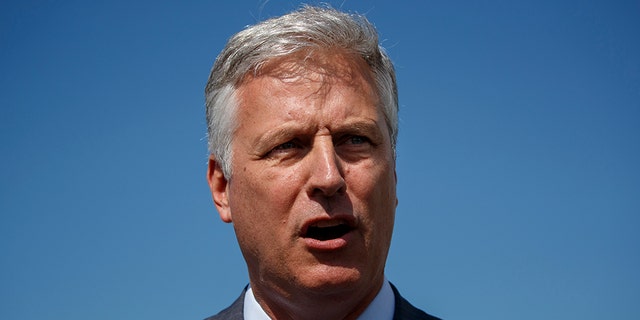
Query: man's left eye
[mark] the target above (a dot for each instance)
(357, 140)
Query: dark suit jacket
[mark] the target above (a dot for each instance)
(403, 311)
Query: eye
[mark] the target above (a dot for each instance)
(284, 150)
(355, 147)
(285, 146)
(357, 140)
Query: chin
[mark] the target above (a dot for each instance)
(330, 279)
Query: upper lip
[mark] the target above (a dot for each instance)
(349, 220)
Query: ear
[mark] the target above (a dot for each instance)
(219, 189)
(395, 176)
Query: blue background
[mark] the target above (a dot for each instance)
(518, 163)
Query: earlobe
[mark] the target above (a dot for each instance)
(219, 189)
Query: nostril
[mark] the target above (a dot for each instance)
(330, 190)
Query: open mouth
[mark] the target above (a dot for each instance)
(327, 230)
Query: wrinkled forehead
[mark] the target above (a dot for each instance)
(323, 66)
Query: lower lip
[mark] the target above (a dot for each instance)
(328, 245)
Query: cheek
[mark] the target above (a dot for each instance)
(260, 206)
(374, 183)
(261, 197)
(375, 189)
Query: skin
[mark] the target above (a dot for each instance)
(311, 146)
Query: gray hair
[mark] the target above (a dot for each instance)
(305, 29)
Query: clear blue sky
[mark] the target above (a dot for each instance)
(519, 158)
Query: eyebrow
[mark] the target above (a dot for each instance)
(366, 127)
(283, 133)
(288, 131)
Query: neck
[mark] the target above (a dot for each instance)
(321, 304)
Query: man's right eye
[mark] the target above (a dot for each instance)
(285, 146)
(287, 150)
(284, 150)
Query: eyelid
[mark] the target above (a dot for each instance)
(280, 146)
(368, 131)
(348, 139)
(287, 147)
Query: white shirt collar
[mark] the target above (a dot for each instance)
(381, 308)
(253, 310)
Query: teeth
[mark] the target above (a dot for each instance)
(327, 223)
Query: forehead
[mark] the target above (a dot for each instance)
(325, 66)
(317, 71)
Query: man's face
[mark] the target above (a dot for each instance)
(312, 195)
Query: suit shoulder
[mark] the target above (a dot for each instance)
(404, 310)
(233, 312)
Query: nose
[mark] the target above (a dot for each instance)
(326, 172)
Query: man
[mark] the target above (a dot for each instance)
(302, 119)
